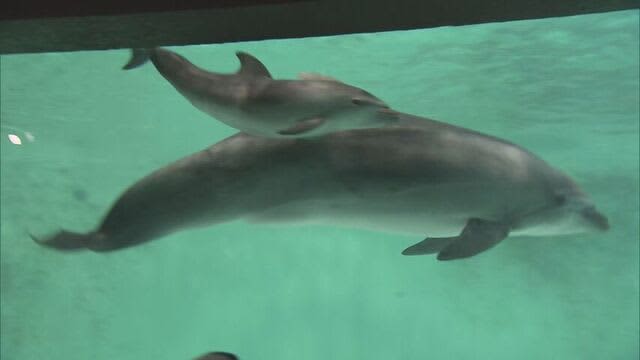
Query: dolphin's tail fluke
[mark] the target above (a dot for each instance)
(138, 58)
(66, 240)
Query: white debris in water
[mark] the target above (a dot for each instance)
(29, 136)
(15, 139)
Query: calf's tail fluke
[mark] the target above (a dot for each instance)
(138, 58)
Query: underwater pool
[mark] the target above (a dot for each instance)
(568, 89)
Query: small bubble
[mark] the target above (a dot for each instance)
(15, 139)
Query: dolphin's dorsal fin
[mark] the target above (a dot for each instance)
(251, 66)
(316, 76)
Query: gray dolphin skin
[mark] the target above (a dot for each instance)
(465, 190)
(252, 101)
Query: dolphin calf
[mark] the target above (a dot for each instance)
(252, 101)
(466, 191)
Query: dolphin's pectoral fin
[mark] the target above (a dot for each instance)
(303, 126)
(428, 246)
(218, 355)
(138, 58)
(251, 66)
(477, 236)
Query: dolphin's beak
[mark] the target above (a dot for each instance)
(596, 218)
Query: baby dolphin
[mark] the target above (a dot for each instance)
(252, 101)
(466, 190)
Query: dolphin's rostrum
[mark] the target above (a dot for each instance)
(466, 190)
(252, 101)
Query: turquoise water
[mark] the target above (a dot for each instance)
(565, 88)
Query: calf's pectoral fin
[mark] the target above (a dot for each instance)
(477, 236)
(303, 126)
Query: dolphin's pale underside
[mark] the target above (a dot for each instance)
(465, 190)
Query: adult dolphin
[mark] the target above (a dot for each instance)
(252, 101)
(466, 190)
